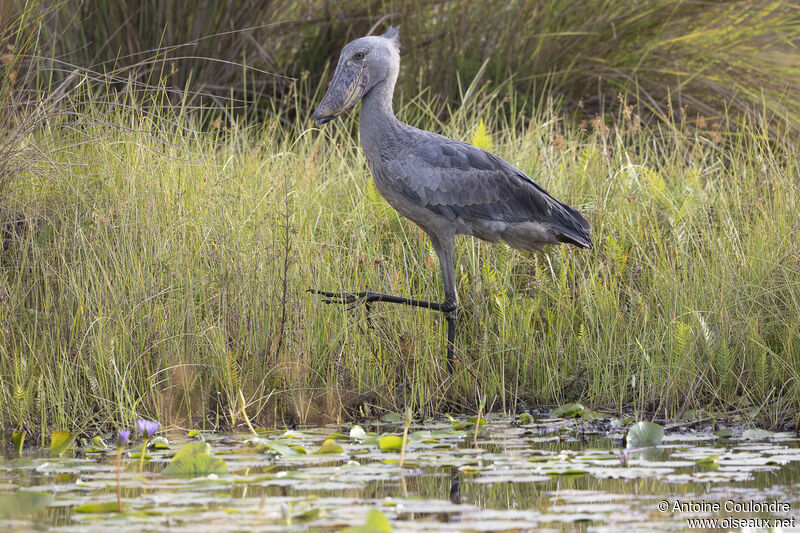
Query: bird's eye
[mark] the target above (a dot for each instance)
(359, 55)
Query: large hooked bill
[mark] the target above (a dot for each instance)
(346, 89)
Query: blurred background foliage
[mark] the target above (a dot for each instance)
(708, 59)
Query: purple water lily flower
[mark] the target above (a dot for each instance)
(123, 437)
(147, 427)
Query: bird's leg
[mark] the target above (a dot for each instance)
(449, 307)
(451, 339)
(444, 249)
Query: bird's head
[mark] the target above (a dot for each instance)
(363, 64)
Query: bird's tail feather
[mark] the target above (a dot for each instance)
(572, 228)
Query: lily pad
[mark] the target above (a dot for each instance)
(570, 472)
(22, 503)
(390, 443)
(570, 410)
(329, 446)
(392, 418)
(192, 448)
(307, 516)
(194, 460)
(469, 423)
(98, 508)
(60, 441)
(376, 522)
(283, 448)
(757, 433)
(590, 415)
(526, 418)
(644, 434)
(97, 445)
(292, 434)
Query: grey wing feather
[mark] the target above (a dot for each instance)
(455, 179)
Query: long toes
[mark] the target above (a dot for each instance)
(353, 305)
(326, 293)
(353, 299)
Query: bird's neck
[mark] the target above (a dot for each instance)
(377, 122)
(378, 101)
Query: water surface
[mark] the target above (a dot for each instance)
(551, 474)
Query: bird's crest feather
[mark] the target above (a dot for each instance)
(393, 34)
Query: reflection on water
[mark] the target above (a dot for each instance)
(551, 474)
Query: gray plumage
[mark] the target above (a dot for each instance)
(446, 186)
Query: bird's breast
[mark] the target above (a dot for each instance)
(397, 194)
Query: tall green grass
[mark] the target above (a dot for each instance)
(738, 60)
(157, 270)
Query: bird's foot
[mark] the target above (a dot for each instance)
(449, 308)
(353, 299)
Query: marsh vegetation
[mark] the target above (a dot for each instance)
(158, 241)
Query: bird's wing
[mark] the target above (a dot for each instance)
(456, 179)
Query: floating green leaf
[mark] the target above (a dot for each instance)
(644, 434)
(98, 508)
(710, 460)
(192, 448)
(376, 522)
(194, 460)
(137, 454)
(424, 436)
(570, 410)
(590, 415)
(22, 503)
(469, 423)
(60, 441)
(572, 472)
(97, 446)
(390, 443)
(292, 434)
(393, 418)
(757, 433)
(329, 446)
(283, 448)
(308, 515)
(406, 464)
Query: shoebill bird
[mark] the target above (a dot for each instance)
(445, 186)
